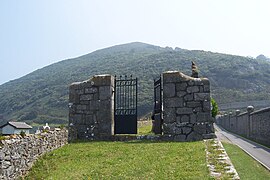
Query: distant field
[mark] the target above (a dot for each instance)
(124, 160)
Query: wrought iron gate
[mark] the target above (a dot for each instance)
(125, 105)
(157, 113)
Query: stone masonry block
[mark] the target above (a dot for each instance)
(193, 136)
(198, 81)
(169, 90)
(105, 129)
(200, 128)
(86, 97)
(74, 98)
(105, 92)
(169, 115)
(206, 106)
(184, 118)
(206, 88)
(191, 83)
(169, 128)
(189, 97)
(210, 128)
(91, 90)
(79, 91)
(201, 89)
(193, 89)
(181, 93)
(201, 96)
(181, 86)
(178, 130)
(104, 117)
(81, 107)
(198, 109)
(180, 137)
(76, 118)
(102, 80)
(94, 105)
(184, 110)
(89, 119)
(105, 105)
(193, 104)
(173, 102)
(186, 130)
(205, 81)
(204, 117)
(192, 118)
(178, 119)
(74, 86)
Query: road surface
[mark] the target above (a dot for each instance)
(257, 151)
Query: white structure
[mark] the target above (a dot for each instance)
(15, 128)
(46, 127)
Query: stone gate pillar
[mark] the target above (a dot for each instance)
(187, 109)
(91, 108)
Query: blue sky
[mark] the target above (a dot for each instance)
(34, 33)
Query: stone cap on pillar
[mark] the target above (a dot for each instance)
(102, 80)
(96, 80)
(250, 109)
(237, 112)
(176, 76)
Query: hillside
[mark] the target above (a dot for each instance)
(42, 96)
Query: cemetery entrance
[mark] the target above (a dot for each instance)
(125, 105)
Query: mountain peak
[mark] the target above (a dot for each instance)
(42, 96)
(263, 57)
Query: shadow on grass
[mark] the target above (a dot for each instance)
(144, 141)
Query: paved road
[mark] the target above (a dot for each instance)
(257, 151)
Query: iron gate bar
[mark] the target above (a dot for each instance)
(157, 87)
(157, 112)
(125, 105)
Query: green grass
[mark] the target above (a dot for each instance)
(124, 160)
(145, 129)
(214, 154)
(245, 165)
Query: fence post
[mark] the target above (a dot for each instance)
(230, 115)
(237, 112)
(250, 109)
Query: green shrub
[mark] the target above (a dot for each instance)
(214, 108)
(22, 133)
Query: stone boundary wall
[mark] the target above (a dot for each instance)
(253, 125)
(187, 107)
(91, 108)
(17, 154)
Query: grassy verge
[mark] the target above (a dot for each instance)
(124, 160)
(220, 167)
(245, 165)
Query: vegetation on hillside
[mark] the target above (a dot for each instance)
(42, 96)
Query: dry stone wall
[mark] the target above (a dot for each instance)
(17, 154)
(187, 109)
(91, 108)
